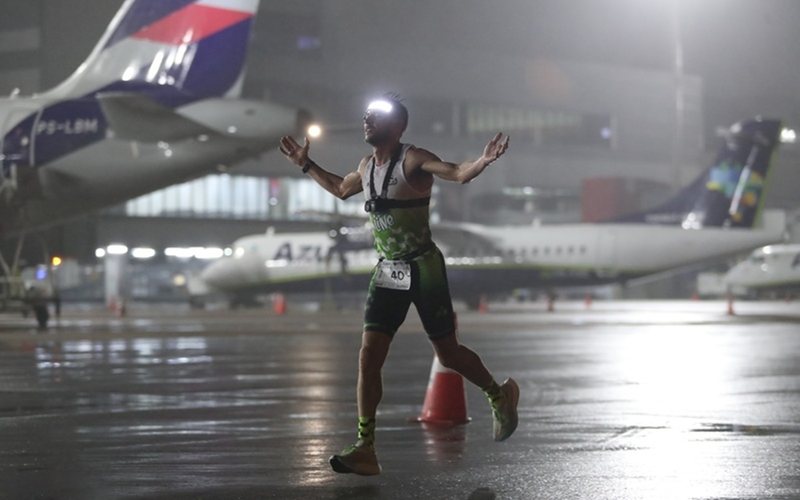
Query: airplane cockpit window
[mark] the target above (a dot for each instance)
(757, 259)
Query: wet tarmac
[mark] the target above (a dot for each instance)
(627, 400)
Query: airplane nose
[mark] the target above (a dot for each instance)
(220, 274)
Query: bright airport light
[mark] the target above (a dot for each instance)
(208, 253)
(116, 249)
(178, 252)
(100, 253)
(788, 136)
(314, 131)
(143, 253)
(203, 253)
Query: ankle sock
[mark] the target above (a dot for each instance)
(493, 392)
(366, 430)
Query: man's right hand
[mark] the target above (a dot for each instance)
(293, 151)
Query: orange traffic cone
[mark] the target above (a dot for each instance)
(483, 304)
(587, 301)
(279, 304)
(117, 306)
(445, 400)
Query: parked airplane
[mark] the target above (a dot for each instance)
(714, 216)
(155, 103)
(773, 268)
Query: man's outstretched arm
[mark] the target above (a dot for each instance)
(468, 170)
(341, 187)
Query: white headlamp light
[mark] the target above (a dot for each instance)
(380, 105)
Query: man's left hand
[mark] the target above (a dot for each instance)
(495, 148)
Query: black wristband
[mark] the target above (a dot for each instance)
(307, 166)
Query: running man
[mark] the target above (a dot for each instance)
(397, 179)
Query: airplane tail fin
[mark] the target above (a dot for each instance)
(729, 193)
(176, 51)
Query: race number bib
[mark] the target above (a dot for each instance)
(393, 274)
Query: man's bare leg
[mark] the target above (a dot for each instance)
(360, 458)
(462, 359)
(503, 398)
(374, 348)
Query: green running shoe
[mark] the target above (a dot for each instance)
(504, 410)
(357, 459)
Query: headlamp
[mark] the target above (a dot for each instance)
(380, 105)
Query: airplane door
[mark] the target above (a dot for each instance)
(17, 151)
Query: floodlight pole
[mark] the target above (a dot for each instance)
(677, 49)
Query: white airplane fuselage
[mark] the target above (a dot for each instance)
(629, 249)
(520, 257)
(112, 170)
(773, 267)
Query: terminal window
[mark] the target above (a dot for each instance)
(542, 127)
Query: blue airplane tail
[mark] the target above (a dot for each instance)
(174, 51)
(163, 53)
(729, 193)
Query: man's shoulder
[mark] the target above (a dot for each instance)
(419, 154)
(363, 162)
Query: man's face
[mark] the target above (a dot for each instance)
(376, 127)
(379, 123)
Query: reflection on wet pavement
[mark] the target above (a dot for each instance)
(250, 405)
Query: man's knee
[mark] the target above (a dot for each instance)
(367, 356)
(447, 361)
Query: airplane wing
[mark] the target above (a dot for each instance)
(139, 118)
